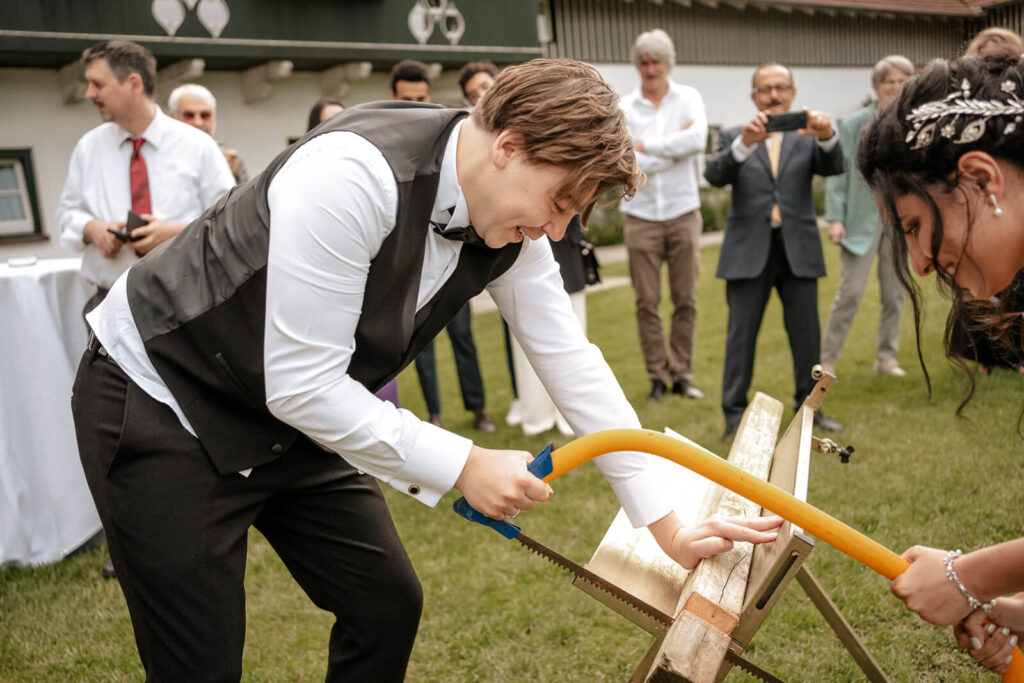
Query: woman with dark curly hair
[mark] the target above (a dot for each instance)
(946, 164)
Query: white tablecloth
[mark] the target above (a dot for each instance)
(45, 507)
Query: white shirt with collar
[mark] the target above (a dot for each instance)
(672, 154)
(331, 206)
(742, 152)
(187, 173)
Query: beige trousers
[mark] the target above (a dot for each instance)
(649, 245)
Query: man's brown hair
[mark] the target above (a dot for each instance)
(568, 117)
(125, 57)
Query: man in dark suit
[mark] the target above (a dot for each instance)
(771, 236)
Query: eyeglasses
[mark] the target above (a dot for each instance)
(767, 89)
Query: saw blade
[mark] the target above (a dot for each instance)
(652, 614)
(753, 669)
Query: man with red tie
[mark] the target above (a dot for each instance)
(139, 159)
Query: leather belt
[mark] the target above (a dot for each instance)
(95, 348)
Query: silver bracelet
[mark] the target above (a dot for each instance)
(951, 574)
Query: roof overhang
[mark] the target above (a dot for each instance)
(965, 9)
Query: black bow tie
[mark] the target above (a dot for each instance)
(465, 234)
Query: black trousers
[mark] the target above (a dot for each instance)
(747, 300)
(460, 332)
(177, 532)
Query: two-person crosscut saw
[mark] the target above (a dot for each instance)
(550, 465)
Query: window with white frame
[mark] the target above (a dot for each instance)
(19, 212)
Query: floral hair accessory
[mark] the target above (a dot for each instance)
(959, 118)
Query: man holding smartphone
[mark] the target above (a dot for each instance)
(138, 178)
(771, 235)
(139, 159)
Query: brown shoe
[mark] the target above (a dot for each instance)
(482, 422)
(434, 419)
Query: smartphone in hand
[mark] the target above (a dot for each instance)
(790, 120)
(134, 221)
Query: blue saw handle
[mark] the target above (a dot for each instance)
(539, 467)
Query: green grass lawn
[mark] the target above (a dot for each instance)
(495, 612)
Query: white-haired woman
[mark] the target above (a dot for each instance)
(853, 225)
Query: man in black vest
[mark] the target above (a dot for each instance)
(232, 367)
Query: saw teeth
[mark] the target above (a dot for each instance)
(598, 586)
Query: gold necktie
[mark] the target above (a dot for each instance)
(774, 144)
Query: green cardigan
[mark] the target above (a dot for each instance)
(847, 197)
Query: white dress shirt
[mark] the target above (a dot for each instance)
(331, 207)
(742, 152)
(672, 155)
(187, 173)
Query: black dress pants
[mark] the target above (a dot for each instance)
(177, 532)
(747, 300)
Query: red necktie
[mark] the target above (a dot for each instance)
(140, 180)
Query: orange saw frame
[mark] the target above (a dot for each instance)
(693, 457)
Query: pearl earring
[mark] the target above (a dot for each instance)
(998, 209)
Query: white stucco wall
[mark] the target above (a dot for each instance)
(726, 89)
(33, 116)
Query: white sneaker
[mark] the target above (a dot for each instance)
(694, 393)
(890, 366)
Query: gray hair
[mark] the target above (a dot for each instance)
(886, 64)
(191, 90)
(654, 44)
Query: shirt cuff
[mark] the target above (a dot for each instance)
(643, 497)
(73, 236)
(827, 145)
(433, 465)
(741, 152)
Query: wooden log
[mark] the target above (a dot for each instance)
(690, 651)
(712, 598)
(631, 558)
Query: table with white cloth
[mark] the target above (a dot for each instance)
(45, 507)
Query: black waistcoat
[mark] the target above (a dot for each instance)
(199, 300)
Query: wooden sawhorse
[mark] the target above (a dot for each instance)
(717, 607)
